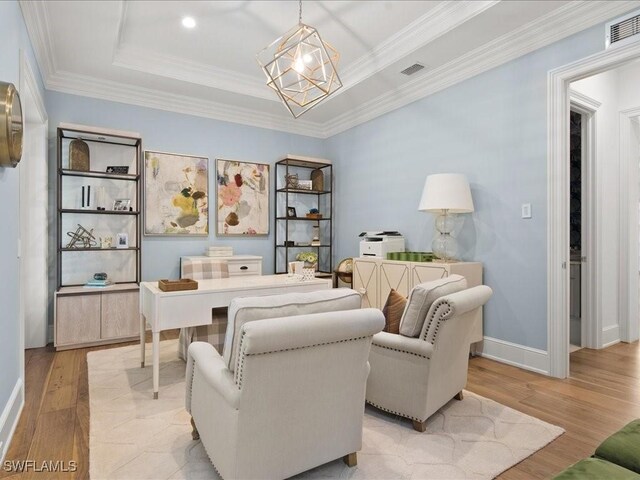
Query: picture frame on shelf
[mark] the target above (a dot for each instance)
(176, 194)
(121, 204)
(122, 240)
(291, 212)
(242, 198)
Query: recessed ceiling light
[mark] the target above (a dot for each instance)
(188, 22)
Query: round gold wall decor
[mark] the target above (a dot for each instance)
(10, 126)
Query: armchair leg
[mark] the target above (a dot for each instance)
(351, 460)
(194, 433)
(419, 426)
(459, 395)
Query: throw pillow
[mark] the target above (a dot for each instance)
(393, 310)
(422, 297)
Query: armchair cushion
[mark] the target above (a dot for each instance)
(422, 297)
(393, 310)
(247, 309)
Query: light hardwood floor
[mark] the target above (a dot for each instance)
(602, 395)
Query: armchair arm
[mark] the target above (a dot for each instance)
(400, 343)
(204, 361)
(453, 305)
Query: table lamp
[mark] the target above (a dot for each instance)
(446, 194)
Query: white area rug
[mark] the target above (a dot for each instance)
(135, 437)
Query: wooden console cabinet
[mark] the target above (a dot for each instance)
(375, 277)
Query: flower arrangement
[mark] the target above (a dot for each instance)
(310, 259)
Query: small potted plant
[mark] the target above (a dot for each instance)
(310, 259)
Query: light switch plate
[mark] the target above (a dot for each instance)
(526, 210)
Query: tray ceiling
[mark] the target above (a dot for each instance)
(138, 52)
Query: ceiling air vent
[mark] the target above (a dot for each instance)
(416, 67)
(623, 30)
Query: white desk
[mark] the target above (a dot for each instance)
(190, 308)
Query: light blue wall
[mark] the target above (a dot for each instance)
(493, 129)
(13, 38)
(172, 132)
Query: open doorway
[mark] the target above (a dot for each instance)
(608, 262)
(577, 139)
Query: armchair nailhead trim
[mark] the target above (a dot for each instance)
(394, 412)
(441, 318)
(432, 316)
(398, 350)
(242, 355)
(193, 374)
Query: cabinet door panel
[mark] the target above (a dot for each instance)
(120, 315)
(396, 276)
(427, 273)
(77, 319)
(365, 281)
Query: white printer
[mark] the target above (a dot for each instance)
(378, 244)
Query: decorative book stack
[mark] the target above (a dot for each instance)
(93, 283)
(220, 251)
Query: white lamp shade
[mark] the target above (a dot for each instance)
(446, 191)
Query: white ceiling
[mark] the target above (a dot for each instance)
(138, 52)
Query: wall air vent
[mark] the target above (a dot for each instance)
(416, 67)
(623, 30)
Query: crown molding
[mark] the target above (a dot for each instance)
(93, 87)
(198, 73)
(37, 22)
(560, 23)
(427, 28)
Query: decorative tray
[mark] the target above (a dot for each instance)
(411, 256)
(315, 216)
(177, 285)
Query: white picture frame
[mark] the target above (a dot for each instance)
(121, 204)
(122, 240)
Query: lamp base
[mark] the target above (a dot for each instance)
(445, 247)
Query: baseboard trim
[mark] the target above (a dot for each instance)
(514, 354)
(10, 416)
(610, 335)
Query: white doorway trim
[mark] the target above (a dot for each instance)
(629, 229)
(558, 81)
(33, 206)
(590, 287)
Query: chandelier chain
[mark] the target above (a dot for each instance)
(299, 11)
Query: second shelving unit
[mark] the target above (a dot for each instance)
(294, 230)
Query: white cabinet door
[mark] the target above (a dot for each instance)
(365, 281)
(394, 275)
(423, 272)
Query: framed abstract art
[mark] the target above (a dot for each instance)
(242, 198)
(176, 194)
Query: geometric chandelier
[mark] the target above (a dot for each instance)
(301, 68)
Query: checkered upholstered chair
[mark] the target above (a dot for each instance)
(204, 269)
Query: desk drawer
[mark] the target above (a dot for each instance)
(245, 268)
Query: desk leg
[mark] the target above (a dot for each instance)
(156, 364)
(143, 326)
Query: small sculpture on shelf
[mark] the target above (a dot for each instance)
(82, 238)
(314, 214)
(291, 180)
